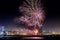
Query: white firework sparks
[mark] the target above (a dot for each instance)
(33, 13)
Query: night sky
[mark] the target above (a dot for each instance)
(9, 10)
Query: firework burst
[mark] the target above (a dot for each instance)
(33, 13)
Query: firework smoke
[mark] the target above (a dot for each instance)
(33, 14)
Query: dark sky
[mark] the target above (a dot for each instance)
(52, 21)
(9, 10)
(53, 8)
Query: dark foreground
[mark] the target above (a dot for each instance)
(44, 37)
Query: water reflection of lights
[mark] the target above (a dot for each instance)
(33, 38)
